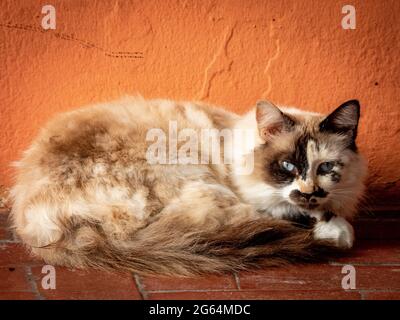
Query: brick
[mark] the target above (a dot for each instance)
(17, 296)
(14, 279)
(320, 277)
(14, 254)
(257, 295)
(4, 223)
(382, 295)
(5, 231)
(294, 277)
(5, 234)
(378, 228)
(210, 282)
(373, 252)
(90, 295)
(381, 277)
(88, 284)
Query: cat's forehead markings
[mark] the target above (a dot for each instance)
(312, 151)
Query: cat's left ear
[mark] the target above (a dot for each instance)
(343, 120)
(271, 120)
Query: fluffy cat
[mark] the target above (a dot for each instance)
(87, 194)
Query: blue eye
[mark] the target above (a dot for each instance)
(288, 166)
(326, 167)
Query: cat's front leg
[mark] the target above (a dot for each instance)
(336, 229)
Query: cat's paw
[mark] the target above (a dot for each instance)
(338, 230)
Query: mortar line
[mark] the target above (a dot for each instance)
(140, 287)
(32, 282)
(237, 280)
(366, 264)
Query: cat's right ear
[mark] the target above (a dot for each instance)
(344, 121)
(271, 120)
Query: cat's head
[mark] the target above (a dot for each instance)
(307, 160)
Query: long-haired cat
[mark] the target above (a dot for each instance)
(87, 193)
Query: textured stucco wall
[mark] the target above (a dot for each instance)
(228, 52)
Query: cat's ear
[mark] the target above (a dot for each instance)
(343, 120)
(271, 120)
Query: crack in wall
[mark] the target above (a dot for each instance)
(208, 75)
(275, 56)
(71, 37)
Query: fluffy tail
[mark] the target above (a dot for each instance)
(171, 247)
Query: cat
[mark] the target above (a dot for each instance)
(88, 195)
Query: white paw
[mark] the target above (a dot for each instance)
(338, 230)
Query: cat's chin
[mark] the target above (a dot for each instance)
(307, 207)
(310, 206)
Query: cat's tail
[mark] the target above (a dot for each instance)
(175, 247)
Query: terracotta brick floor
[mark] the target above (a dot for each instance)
(376, 259)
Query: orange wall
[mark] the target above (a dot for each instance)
(227, 52)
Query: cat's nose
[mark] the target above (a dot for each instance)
(298, 195)
(303, 198)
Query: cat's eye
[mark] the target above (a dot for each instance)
(326, 167)
(288, 166)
